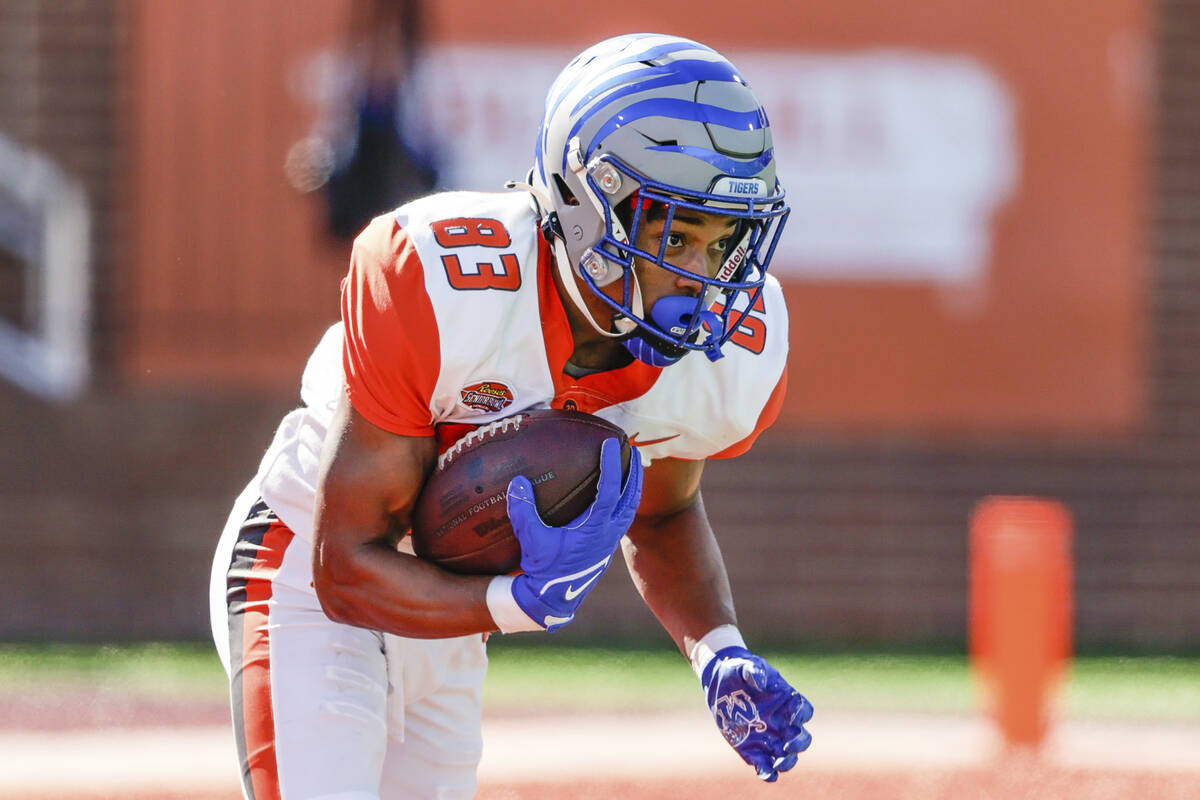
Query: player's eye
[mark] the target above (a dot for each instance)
(675, 240)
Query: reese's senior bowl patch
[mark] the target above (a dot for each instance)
(487, 396)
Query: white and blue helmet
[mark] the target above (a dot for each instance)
(648, 119)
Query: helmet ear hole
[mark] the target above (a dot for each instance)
(568, 197)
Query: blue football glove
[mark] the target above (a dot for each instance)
(561, 565)
(759, 713)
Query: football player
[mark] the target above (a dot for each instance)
(642, 234)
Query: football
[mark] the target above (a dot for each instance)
(461, 518)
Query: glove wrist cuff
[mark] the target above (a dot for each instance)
(506, 613)
(718, 638)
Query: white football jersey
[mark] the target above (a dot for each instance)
(450, 318)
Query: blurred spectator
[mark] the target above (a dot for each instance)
(364, 157)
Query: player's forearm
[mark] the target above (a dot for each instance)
(375, 587)
(678, 569)
(368, 485)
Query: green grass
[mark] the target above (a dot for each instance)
(189, 671)
(544, 678)
(602, 678)
(1165, 688)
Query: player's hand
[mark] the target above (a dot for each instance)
(759, 713)
(561, 565)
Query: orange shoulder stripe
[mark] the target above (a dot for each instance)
(391, 356)
(765, 418)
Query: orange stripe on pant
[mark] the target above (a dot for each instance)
(258, 717)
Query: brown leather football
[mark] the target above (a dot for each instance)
(461, 517)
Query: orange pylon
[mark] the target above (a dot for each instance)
(1020, 615)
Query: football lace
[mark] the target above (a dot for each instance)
(479, 434)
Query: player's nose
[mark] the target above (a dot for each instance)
(688, 286)
(695, 264)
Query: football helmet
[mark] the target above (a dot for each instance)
(649, 121)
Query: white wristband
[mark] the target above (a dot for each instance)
(508, 616)
(718, 638)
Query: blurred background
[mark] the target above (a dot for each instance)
(992, 267)
(993, 273)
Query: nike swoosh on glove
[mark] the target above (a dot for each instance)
(759, 713)
(561, 565)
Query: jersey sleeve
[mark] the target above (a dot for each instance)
(391, 352)
(766, 417)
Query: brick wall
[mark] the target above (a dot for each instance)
(109, 507)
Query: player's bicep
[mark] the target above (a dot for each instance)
(669, 485)
(369, 481)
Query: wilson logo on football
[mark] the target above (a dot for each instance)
(488, 396)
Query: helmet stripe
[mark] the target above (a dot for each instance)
(678, 72)
(730, 166)
(681, 110)
(622, 58)
(698, 73)
(700, 69)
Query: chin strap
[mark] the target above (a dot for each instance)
(541, 200)
(624, 325)
(646, 353)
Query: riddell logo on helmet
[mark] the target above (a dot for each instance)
(731, 265)
(487, 396)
